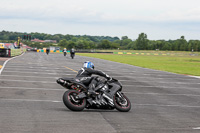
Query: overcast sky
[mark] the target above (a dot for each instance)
(159, 19)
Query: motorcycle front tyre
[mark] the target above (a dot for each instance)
(120, 107)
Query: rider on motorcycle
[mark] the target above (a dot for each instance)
(84, 75)
(65, 51)
(72, 52)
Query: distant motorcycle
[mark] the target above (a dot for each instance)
(65, 53)
(47, 51)
(77, 98)
(72, 55)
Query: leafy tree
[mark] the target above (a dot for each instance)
(131, 45)
(56, 37)
(125, 42)
(166, 46)
(142, 42)
(48, 37)
(183, 44)
(124, 37)
(105, 44)
(63, 43)
(114, 45)
(102, 42)
(180, 44)
(71, 45)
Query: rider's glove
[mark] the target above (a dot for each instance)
(108, 77)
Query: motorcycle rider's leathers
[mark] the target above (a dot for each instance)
(84, 75)
(72, 52)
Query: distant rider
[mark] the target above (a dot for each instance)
(72, 53)
(64, 51)
(47, 51)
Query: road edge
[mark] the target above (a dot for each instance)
(4, 64)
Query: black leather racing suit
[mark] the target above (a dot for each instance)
(84, 75)
(72, 52)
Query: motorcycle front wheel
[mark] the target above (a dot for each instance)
(122, 103)
(71, 102)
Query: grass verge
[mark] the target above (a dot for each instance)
(15, 52)
(189, 65)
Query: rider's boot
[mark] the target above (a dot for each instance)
(91, 90)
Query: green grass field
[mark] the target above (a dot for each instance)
(15, 52)
(189, 65)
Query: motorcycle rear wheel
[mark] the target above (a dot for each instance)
(72, 103)
(122, 103)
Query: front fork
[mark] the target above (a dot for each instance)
(120, 97)
(119, 94)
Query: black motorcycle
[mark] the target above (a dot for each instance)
(107, 96)
(72, 55)
(65, 53)
(47, 51)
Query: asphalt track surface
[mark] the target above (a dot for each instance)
(31, 100)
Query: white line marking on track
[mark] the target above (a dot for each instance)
(36, 67)
(30, 100)
(36, 73)
(25, 66)
(140, 86)
(68, 74)
(196, 128)
(4, 64)
(63, 89)
(195, 77)
(55, 101)
(136, 77)
(72, 74)
(161, 94)
(162, 105)
(161, 82)
(26, 88)
(37, 70)
(29, 76)
(8, 80)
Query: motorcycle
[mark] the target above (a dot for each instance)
(72, 55)
(65, 53)
(47, 51)
(107, 96)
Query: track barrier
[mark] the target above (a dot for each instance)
(5, 52)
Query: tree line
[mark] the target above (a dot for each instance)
(104, 42)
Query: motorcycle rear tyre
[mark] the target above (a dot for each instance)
(70, 105)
